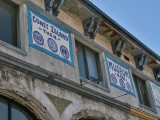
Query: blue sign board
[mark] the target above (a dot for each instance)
(120, 75)
(50, 38)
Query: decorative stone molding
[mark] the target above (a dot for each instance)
(59, 103)
(91, 114)
(141, 61)
(118, 47)
(25, 99)
(141, 114)
(54, 5)
(91, 26)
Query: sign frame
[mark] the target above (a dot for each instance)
(130, 75)
(29, 10)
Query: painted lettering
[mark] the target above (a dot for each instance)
(59, 33)
(41, 23)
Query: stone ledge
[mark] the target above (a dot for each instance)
(141, 114)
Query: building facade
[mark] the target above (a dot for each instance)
(67, 60)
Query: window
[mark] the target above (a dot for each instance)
(88, 63)
(8, 22)
(11, 111)
(142, 91)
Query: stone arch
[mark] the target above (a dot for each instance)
(25, 99)
(91, 115)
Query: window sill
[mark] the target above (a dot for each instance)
(13, 48)
(86, 81)
(148, 108)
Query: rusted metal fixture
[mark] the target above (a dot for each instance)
(54, 5)
(118, 47)
(91, 27)
(141, 61)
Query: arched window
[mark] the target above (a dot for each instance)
(9, 110)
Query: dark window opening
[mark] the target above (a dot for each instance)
(142, 91)
(88, 63)
(8, 22)
(126, 58)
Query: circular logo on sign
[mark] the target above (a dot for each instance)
(122, 83)
(38, 38)
(123, 78)
(52, 45)
(64, 51)
(113, 77)
(128, 86)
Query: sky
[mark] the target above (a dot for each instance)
(139, 17)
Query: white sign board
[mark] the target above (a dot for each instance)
(49, 38)
(120, 75)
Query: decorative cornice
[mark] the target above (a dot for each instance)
(142, 114)
(120, 29)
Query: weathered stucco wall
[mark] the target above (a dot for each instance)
(71, 21)
(39, 89)
(40, 3)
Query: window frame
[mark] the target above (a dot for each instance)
(15, 21)
(97, 57)
(148, 93)
(21, 32)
